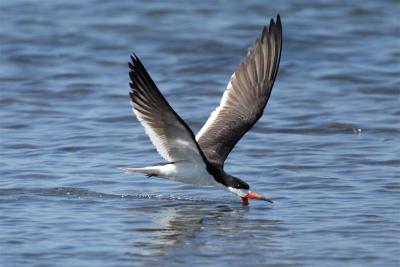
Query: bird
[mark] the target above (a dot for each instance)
(199, 159)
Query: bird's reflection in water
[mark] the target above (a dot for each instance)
(203, 229)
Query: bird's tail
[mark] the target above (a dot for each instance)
(149, 171)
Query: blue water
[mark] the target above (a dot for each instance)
(326, 150)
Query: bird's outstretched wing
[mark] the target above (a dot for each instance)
(244, 99)
(171, 136)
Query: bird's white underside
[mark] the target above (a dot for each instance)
(184, 171)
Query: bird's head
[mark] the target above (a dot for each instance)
(242, 189)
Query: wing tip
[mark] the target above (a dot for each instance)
(131, 72)
(275, 25)
(278, 23)
(278, 19)
(133, 57)
(135, 64)
(138, 74)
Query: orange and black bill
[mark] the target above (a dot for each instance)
(252, 195)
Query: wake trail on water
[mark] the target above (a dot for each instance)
(74, 192)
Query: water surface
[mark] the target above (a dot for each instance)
(326, 150)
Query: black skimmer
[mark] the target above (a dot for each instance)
(199, 160)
